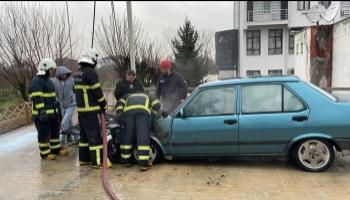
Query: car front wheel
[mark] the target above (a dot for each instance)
(314, 155)
(154, 153)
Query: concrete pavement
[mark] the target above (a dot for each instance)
(25, 176)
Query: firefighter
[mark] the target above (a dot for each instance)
(90, 103)
(136, 109)
(45, 110)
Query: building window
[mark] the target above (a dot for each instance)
(303, 5)
(275, 41)
(253, 73)
(253, 42)
(326, 4)
(275, 72)
(291, 44)
(290, 71)
(345, 8)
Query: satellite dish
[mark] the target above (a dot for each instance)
(316, 13)
(331, 12)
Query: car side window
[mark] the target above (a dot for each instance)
(291, 103)
(265, 98)
(213, 101)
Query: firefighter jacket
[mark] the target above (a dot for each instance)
(43, 96)
(88, 92)
(138, 102)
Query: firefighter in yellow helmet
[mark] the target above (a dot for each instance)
(45, 110)
(90, 103)
(136, 110)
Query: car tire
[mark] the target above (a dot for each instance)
(114, 152)
(155, 153)
(314, 155)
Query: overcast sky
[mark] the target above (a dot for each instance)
(156, 16)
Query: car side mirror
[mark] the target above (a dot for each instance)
(181, 113)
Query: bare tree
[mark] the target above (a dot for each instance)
(29, 33)
(113, 41)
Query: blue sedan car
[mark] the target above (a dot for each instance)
(257, 116)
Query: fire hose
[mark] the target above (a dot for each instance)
(106, 184)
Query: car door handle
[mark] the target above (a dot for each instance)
(230, 121)
(299, 118)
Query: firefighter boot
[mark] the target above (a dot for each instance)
(109, 165)
(84, 163)
(50, 157)
(62, 152)
(145, 168)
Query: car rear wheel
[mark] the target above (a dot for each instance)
(314, 155)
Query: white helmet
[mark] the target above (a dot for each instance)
(91, 57)
(44, 65)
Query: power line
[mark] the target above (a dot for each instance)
(69, 32)
(93, 26)
(114, 19)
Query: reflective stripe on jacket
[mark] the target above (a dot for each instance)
(88, 92)
(43, 96)
(138, 102)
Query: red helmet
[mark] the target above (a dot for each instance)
(165, 64)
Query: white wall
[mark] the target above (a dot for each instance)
(341, 54)
(302, 60)
(264, 61)
(296, 17)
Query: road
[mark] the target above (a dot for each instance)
(25, 176)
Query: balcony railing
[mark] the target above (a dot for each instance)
(267, 15)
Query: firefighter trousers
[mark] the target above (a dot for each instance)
(137, 127)
(48, 136)
(90, 145)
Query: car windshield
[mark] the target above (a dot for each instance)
(325, 93)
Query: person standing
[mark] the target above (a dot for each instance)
(90, 103)
(136, 109)
(45, 110)
(128, 85)
(171, 87)
(64, 84)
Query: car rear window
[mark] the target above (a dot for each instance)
(323, 92)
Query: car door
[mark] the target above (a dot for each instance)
(270, 116)
(208, 125)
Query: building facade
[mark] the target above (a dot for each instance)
(266, 33)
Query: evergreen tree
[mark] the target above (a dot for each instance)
(188, 60)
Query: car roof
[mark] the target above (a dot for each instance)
(258, 79)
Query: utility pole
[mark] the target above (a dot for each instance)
(131, 36)
(236, 26)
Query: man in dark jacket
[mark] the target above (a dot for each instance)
(90, 103)
(171, 87)
(128, 85)
(45, 110)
